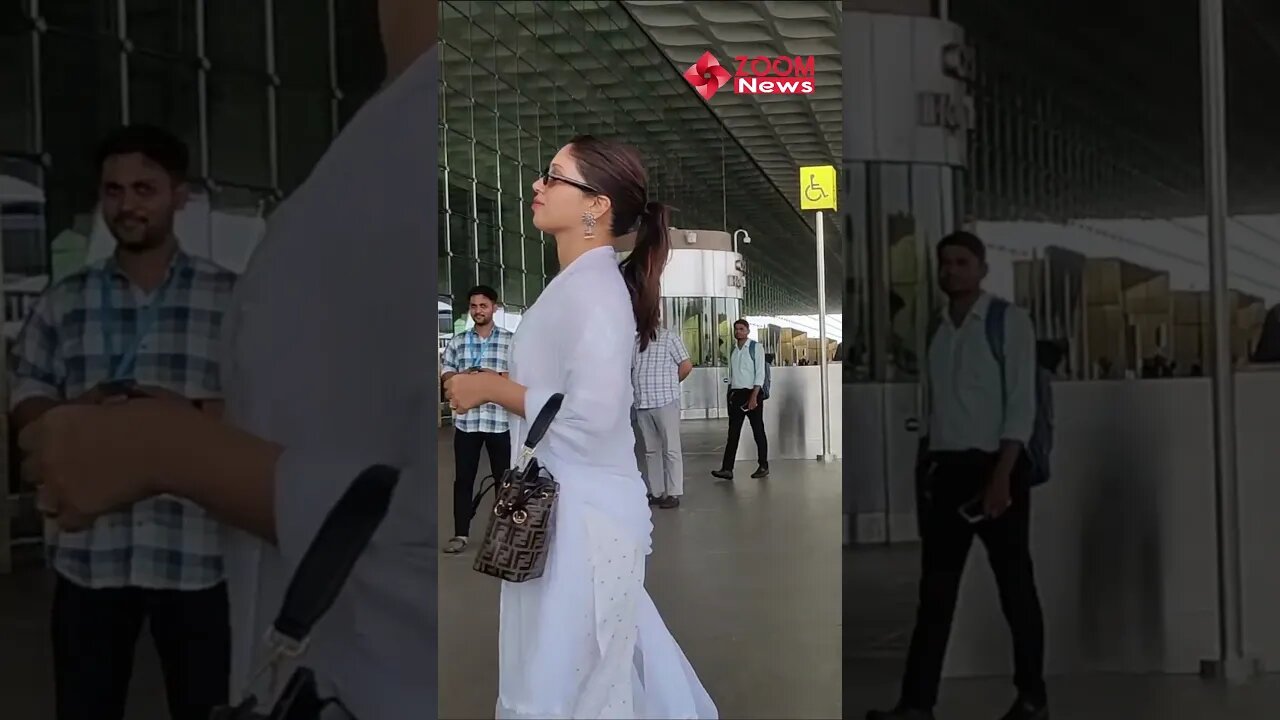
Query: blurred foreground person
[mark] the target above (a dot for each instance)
(585, 640)
(323, 370)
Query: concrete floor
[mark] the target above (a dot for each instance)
(746, 575)
(879, 609)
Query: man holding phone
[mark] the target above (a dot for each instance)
(143, 322)
(319, 386)
(976, 477)
(747, 380)
(485, 347)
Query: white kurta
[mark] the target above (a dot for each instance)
(329, 350)
(585, 641)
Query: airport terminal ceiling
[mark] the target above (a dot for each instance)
(780, 133)
(1126, 71)
(731, 162)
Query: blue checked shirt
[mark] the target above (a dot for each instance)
(164, 542)
(655, 372)
(468, 350)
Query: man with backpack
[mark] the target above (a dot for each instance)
(988, 444)
(748, 389)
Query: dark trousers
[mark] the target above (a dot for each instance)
(957, 478)
(737, 401)
(466, 458)
(95, 633)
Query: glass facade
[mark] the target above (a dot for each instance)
(889, 286)
(705, 325)
(1086, 211)
(1090, 196)
(256, 88)
(519, 79)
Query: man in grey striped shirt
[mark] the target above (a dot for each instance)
(656, 374)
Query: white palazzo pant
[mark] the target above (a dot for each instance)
(585, 640)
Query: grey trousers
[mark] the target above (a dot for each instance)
(663, 466)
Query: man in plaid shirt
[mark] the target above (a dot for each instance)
(484, 348)
(149, 317)
(656, 374)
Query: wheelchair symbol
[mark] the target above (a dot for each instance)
(814, 192)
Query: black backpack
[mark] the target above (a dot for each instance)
(768, 376)
(1040, 447)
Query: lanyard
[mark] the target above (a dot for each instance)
(123, 368)
(479, 348)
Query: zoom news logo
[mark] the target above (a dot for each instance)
(758, 75)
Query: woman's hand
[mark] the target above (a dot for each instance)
(467, 391)
(86, 460)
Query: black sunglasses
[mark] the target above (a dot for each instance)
(550, 178)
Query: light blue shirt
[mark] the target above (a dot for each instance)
(744, 371)
(964, 376)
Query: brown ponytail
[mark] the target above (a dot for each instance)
(643, 268)
(617, 171)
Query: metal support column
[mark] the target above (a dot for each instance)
(826, 455)
(1231, 663)
(8, 503)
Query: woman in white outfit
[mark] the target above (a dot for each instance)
(585, 640)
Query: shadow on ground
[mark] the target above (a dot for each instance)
(879, 609)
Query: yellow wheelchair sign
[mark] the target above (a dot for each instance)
(818, 187)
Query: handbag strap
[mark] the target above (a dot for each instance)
(343, 536)
(538, 429)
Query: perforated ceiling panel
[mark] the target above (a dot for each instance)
(780, 132)
(523, 77)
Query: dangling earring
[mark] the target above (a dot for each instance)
(589, 223)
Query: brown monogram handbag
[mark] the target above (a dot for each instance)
(519, 533)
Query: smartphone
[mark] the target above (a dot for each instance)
(972, 511)
(117, 390)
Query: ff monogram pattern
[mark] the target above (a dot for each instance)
(520, 526)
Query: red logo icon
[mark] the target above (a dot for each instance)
(707, 75)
